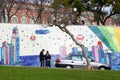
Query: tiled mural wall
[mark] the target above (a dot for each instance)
(20, 44)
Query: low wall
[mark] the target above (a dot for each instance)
(19, 41)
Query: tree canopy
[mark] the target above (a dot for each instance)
(103, 9)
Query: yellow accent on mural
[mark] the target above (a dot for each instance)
(114, 38)
(117, 30)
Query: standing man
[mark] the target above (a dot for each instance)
(41, 57)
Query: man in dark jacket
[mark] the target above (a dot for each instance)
(41, 57)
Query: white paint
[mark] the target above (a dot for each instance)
(51, 42)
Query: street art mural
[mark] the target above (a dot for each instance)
(10, 51)
(20, 44)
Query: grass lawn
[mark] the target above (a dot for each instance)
(31, 73)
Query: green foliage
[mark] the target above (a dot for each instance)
(56, 4)
(30, 73)
(116, 7)
(69, 4)
(102, 1)
(97, 6)
(79, 5)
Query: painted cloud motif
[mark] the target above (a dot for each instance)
(42, 31)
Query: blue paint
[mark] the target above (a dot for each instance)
(42, 31)
(114, 61)
(74, 50)
(34, 60)
(96, 30)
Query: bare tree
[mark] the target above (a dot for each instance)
(117, 19)
(38, 7)
(2, 11)
(10, 8)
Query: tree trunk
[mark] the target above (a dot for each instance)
(3, 16)
(86, 57)
(64, 29)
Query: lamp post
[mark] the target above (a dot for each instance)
(75, 11)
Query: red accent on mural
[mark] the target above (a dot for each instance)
(80, 37)
(32, 38)
(99, 43)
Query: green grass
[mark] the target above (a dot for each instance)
(31, 73)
